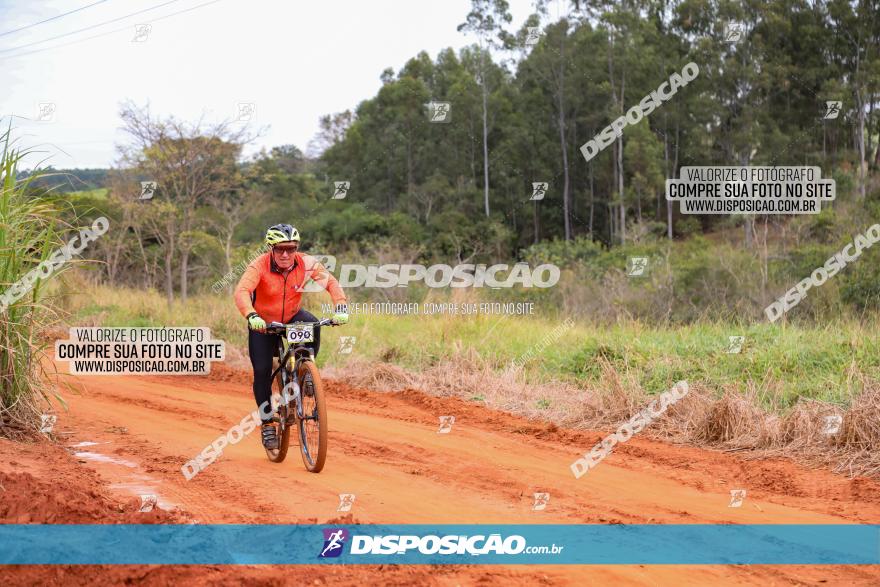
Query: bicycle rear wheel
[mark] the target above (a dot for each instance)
(312, 423)
(280, 410)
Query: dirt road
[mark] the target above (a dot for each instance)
(385, 449)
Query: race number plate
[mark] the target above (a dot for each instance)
(301, 333)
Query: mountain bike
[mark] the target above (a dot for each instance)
(298, 394)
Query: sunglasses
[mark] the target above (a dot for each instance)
(283, 251)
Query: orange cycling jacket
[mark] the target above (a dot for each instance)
(266, 290)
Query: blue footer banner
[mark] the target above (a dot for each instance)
(481, 544)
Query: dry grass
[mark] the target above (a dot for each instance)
(731, 421)
(734, 421)
(382, 376)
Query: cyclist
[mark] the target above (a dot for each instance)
(271, 291)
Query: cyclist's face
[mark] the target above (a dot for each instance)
(284, 254)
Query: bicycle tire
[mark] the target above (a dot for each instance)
(313, 443)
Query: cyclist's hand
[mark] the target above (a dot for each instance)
(256, 323)
(341, 315)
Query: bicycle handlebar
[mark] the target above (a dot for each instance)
(280, 327)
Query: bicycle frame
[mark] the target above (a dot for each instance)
(300, 353)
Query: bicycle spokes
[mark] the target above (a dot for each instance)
(309, 419)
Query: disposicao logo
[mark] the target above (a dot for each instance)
(334, 540)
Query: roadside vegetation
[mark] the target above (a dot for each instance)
(824, 362)
(28, 235)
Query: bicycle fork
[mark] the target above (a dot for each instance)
(292, 394)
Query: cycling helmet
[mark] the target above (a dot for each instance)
(281, 233)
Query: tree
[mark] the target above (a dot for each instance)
(190, 163)
(332, 131)
(487, 19)
(644, 153)
(556, 61)
(857, 24)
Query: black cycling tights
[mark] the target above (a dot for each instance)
(262, 347)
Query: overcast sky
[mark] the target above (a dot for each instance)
(295, 60)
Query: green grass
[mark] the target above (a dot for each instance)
(792, 362)
(97, 194)
(27, 238)
(795, 361)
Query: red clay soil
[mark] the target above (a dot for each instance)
(384, 448)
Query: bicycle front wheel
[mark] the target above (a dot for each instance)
(312, 421)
